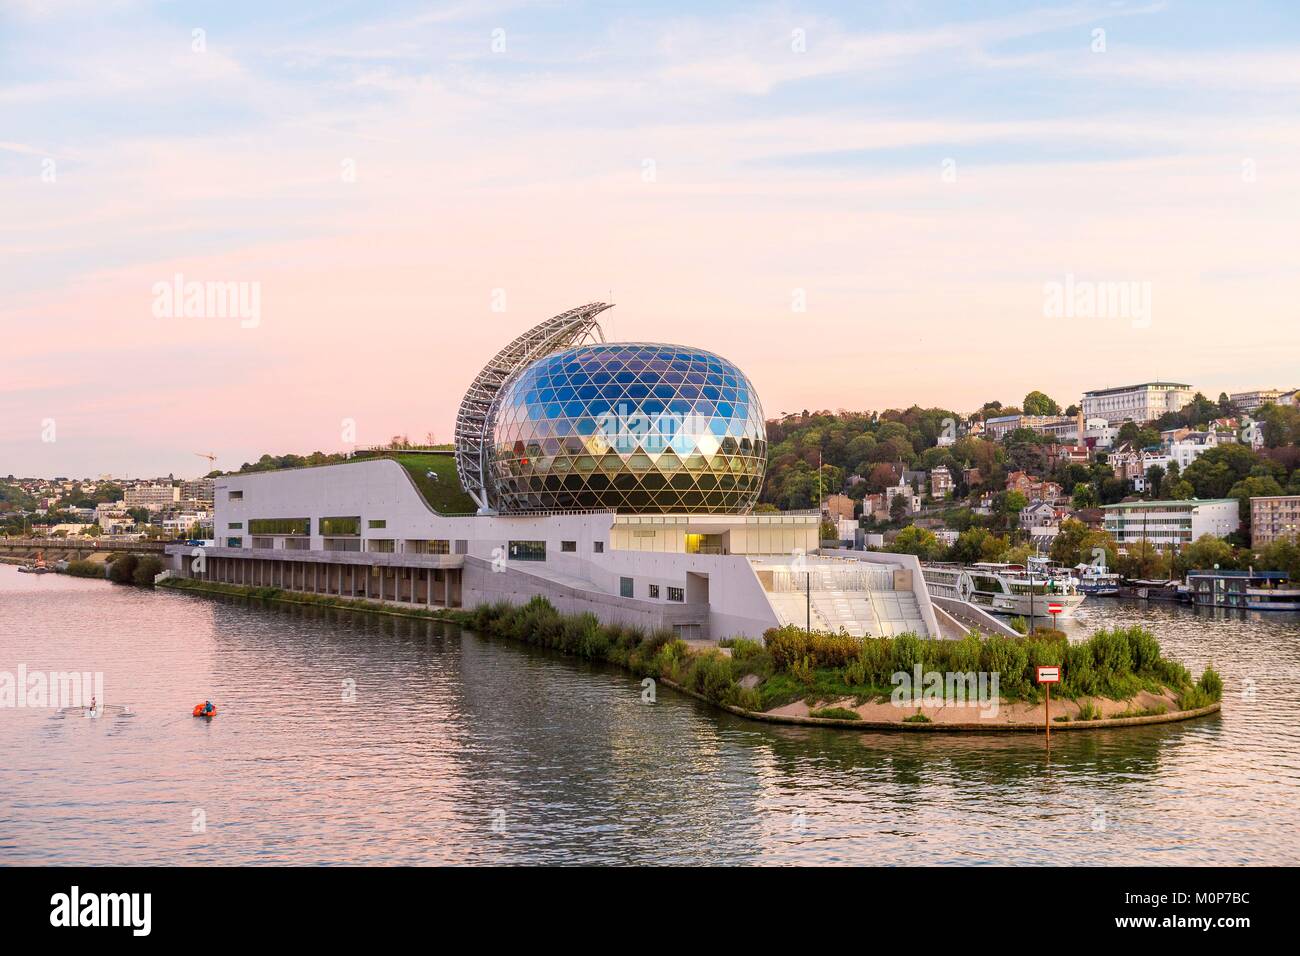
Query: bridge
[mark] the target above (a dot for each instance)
(104, 545)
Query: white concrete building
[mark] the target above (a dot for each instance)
(1253, 401)
(667, 537)
(1137, 403)
(1170, 524)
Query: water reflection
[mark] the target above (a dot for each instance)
(459, 749)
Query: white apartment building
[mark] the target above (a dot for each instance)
(1253, 401)
(153, 497)
(1138, 403)
(1170, 524)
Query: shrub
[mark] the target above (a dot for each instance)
(1088, 711)
(802, 671)
(743, 649)
(1112, 651)
(906, 652)
(122, 570)
(85, 569)
(876, 657)
(835, 713)
(1146, 649)
(1211, 684)
(146, 569)
(964, 655)
(917, 718)
(710, 675)
(746, 698)
(1080, 676)
(1020, 624)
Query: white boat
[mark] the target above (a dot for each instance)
(1037, 591)
(1097, 581)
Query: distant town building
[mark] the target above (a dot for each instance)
(1170, 524)
(941, 483)
(153, 497)
(200, 489)
(1033, 488)
(1067, 455)
(1099, 433)
(1063, 427)
(838, 507)
(1253, 401)
(911, 497)
(1273, 518)
(1136, 403)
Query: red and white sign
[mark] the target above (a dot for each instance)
(1049, 675)
(1055, 608)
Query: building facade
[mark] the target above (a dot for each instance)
(1274, 518)
(1170, 524)
(1136, 403)
(153, 496)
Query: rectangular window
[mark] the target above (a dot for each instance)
(234, 542)
(598, 547)
(235, 526)
(568, 546)
(676, 594)
(377, 523)
(235, 496)
(625, 587)
(526, 551)
(427, 546)
(654, 591)
(381, 545)
(300, 526)
(340, 525)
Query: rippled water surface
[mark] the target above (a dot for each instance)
(460, 750)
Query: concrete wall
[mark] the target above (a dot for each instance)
(381, 489)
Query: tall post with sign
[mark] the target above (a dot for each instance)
(1047, 676)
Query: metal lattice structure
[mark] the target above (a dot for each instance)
(636, 427)
(476, 417)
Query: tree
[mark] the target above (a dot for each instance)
(918, 541)
(1143, 561)
(897, 507)
(1282, 555)
(1208, 552)
(1214, 473)
(1013, 502)
(1155, 475)
(1037, 403)
(1252, 487)
(1085, 496)
(1076, 543)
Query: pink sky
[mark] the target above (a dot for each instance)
(376, 293)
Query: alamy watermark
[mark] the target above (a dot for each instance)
(948, 688)
(181, 299)
(50, 689)
(1084, 299)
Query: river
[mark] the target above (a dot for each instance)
(349, 738)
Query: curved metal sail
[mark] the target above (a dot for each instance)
(475, 419)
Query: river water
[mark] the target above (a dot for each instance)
(348, 738)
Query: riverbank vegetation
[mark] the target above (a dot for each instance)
(791, 664)
(821, 669)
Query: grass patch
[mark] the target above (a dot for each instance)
(835, 713)
(917, 718)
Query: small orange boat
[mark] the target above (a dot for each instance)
(198, 711)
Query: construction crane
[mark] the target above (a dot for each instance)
(212, 459)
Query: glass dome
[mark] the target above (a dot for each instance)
(635, 427)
